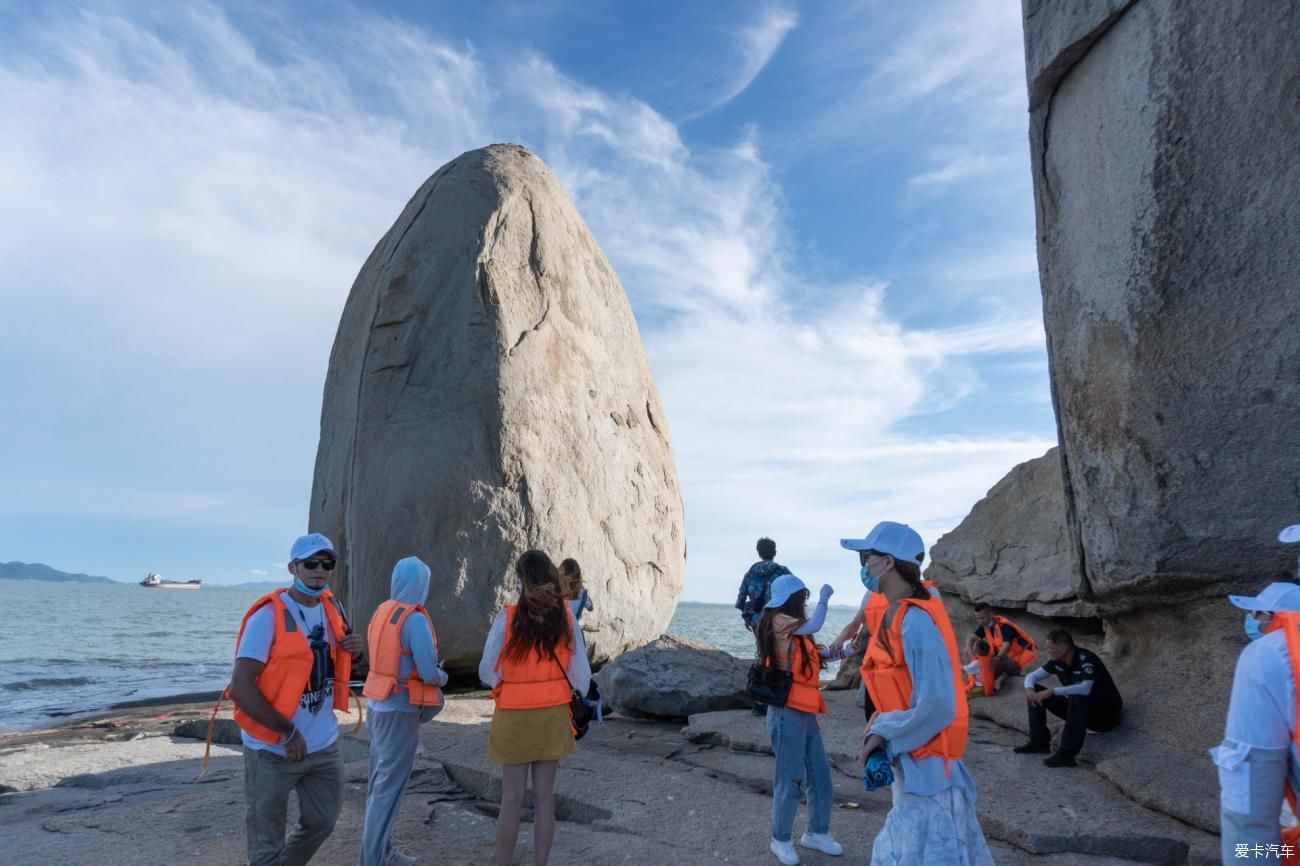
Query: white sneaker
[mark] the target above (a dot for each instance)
(396, 858)
(785, 852)
(822, 842)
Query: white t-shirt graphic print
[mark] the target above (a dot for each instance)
(314, 717)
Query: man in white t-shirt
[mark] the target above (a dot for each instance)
(292, 645)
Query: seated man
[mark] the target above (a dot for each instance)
(1086, 698)
(1013, 648)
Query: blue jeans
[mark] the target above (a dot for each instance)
(801, 765)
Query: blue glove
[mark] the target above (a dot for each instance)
(877, 773)
(827, 592)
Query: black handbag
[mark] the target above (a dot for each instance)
(769, 685)
(578, 709)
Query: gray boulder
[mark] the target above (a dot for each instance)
(1013, 547)
(1167, 190)
(672, 678)
(225, 731)
(487, 393)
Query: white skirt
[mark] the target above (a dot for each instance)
(942, 828)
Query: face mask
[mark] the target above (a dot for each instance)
(1252, 627)
(871, 582)
(302, 587)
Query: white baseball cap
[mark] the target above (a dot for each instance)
(1279, 596)
(782, 588)
(1290, 535)
(309, 544)
(895, 539)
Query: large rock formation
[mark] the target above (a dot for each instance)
(488, 392)
(1013, 550)
(1163, 138)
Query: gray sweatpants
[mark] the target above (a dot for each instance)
(268, 779)
(394, 737)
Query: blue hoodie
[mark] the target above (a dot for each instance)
(410, 585)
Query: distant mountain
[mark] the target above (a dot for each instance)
(256, 584)
(37, 571)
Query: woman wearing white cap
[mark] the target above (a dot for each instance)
(912, 670)
(784, 635)
(1259, 758)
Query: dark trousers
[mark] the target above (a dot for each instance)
(1081, 714)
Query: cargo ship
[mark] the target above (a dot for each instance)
(155, 581)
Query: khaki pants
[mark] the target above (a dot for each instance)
(268, 779)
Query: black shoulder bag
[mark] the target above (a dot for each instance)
(578, 709)
(769, 685)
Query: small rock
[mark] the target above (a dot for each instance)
(225, 731)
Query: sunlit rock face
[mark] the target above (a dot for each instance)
(488, 393)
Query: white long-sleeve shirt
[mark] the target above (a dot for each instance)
(932, 708)
(1257, 755)
(1082, 688)
(579, 670)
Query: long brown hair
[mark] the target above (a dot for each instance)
(911, 573)
(796, 606)
(541, 622)
(571, 578)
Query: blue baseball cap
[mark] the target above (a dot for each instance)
(782, 588)
(894, 539)
(1276, 597)
(309, 544)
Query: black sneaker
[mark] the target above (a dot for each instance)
(1060, 759)
(1032, 748)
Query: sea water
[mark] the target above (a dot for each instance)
(74, 649)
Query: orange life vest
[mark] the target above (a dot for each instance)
(985, 680)
(889, 682)
(805, 693)
(1024, 655)
(288, 668)
(873, 613)
(384, 639)
(1291, 622)
(535, 682)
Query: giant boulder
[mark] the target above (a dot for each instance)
(1167, 190)
(488, 393)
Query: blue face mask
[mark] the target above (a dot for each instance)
(302, 587)
(871, 582)
(1253, 630)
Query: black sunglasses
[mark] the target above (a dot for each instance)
(326, 564)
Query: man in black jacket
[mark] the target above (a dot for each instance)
(1086, 698)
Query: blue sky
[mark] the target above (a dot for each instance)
(822, 214)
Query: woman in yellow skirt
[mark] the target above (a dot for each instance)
(533, 658)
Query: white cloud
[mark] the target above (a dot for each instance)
(177, 252)
(258, 572)
(756, 42)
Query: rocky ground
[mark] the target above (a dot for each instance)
(123, 790)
